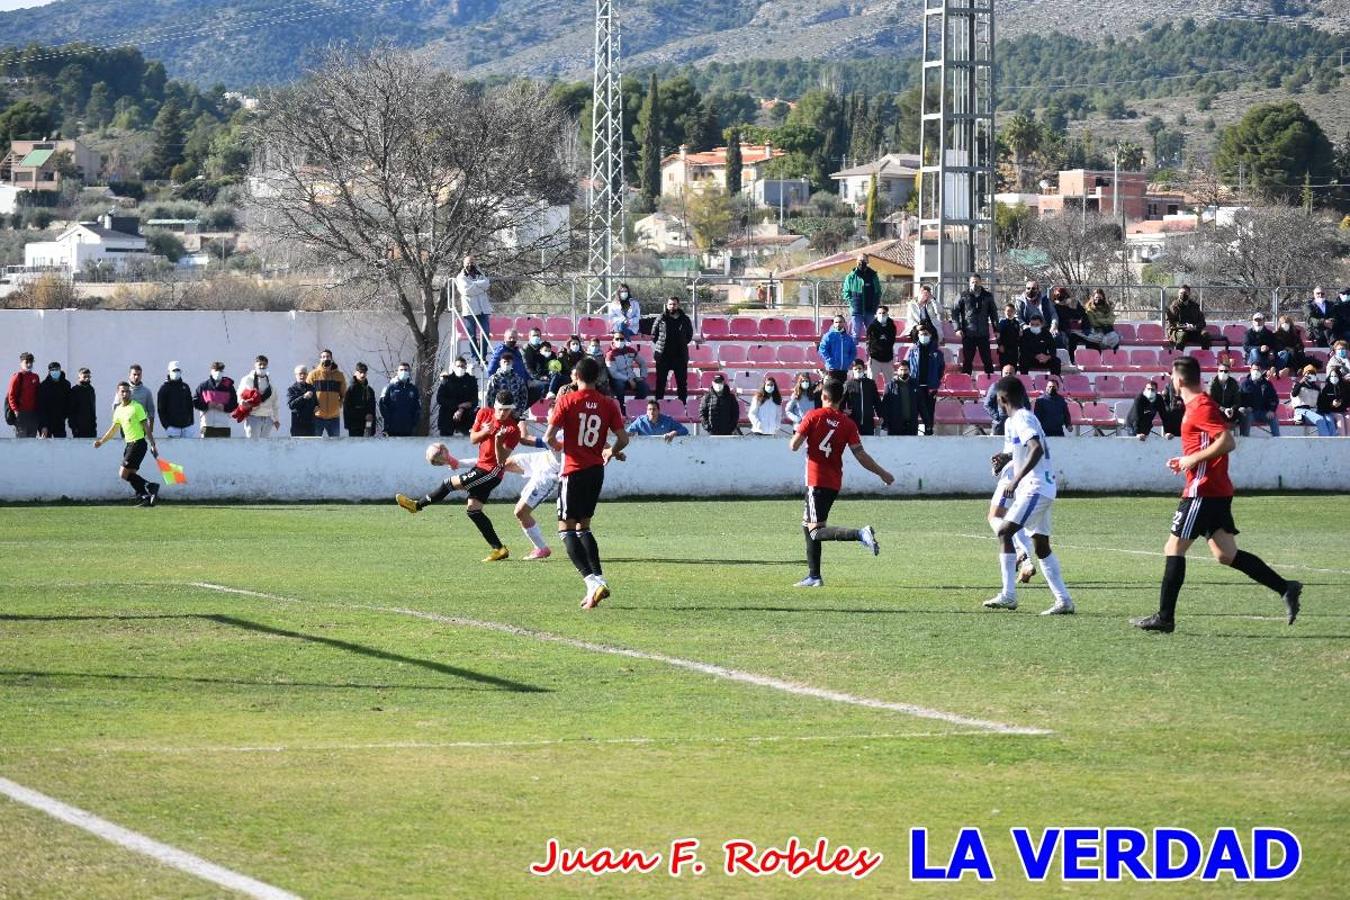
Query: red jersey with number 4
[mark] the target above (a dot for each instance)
(487, 449)
(585, 419)
(1202, 425)
(828, 434)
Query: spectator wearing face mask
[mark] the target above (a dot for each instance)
(176, 410)
(991, 405)
(837, 349)
(360, 405)
(880, 341)
(1035, 302)
(1259, 345)
(627, 375)
(656, 424)
(1305, 397)
(257, 402)
(507, 378)
(596, 351)
(1340, 358)
(861, 293)
(1323, 318)
(216, 398)
(573, 352)
(1052, 410)
(301, 401)
(53, 403)
(21, 399)
(330, 389)
(805, 397)
(1009, 336)
(1331, 402)
(1289, 355)
(622, 314)
(900, 404)
(510, 344)
(719, 411)
(553, 366)
(474, 304)
(83, 407)
(1036, 348)
(141, 394)
(1147, 406)
(923, 310)
(926, 366)
(1261, 402)
(536, 364)
(1227, 395)
(1173, 408)
(1186, 321)
(974, 315)
(766, 409)
(861, 399)
(456, 400)
(401, 404)
(671, 336)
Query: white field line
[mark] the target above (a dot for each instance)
(727, 674)
(139, 843)
(989, 538)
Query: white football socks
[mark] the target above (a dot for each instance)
(536, 536)
(1008, 564)
(1050, 569)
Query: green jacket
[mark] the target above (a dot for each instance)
(863, 295)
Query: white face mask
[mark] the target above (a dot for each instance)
(718, 387)
(1257, 374)
(404, 376)
(216, 373)
(770, 389)
(1150, 393)
(459, 370)
(505, 366)
(1223, 376)
(623, 295)
(1334, 379)
(575, 348)
(262, 373)
(1034, 329)
(1285, 326)
(883, 318)
(925, 339)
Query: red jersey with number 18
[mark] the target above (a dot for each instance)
(585, 418)
(828, 434)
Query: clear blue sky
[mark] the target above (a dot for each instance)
(18, 4)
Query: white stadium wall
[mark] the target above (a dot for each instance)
(346, 469)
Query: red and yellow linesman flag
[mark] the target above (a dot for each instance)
(171, 472)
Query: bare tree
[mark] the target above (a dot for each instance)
(1070, 249)
(390, 171)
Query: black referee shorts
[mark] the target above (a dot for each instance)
(133, 454)
(480, 483)
(1198, 516)
(819, 500)
(579, 493)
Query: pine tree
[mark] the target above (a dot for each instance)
(649, 166)
(873, 217)
(734, 164)
(169, 140)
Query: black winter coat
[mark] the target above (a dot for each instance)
(53, 405)
(671, 336)
(83, 411)
(173, 403)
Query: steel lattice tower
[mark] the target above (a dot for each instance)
(606, 193)
(956, 184)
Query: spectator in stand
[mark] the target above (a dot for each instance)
(177, 413)
(53, 403)
(215, 398)
(21, 399)
(1259, 344)
(1186, 321)
(553, 367)
(597, 352)
(991, 405)
(923, 310)
(359, 406)
(804, 397)
(141, 394)
(1099, 319)
(656, 424)
(1009, 335)
(330, 389)
(1147, 406)
(766, 409)
(1331, 402)
(880, 341)
(974, 317)
(861, 293)
(1227, 395)
(719, 411)
(861, 399)
(1339, 358)
(1323, 318)
(510, 344)
(574, 352)
(1036, 349)
(1034, 301)
(83, 407)
(1071, 319)
(671, 336)
(507, 378)
(1304, 398)
(474, 304)
(457, 399)
(1341, 329)
(1260, 402)
(900, 404)
(1173, 408)
(1052, 410)
(536, 365)
(401, 404)
(1289, 355)
(838, 349)
(926, 365)
(626, 372)
(623, 314)
(302, 403)
(259, 411)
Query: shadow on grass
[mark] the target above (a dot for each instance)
(244, 682)
(346, 646)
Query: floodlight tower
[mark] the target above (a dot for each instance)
(956, 146)
(606, 191)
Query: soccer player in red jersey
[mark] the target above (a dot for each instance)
(1207, 502)
(585, 418)
(496, 433)
(826, 432)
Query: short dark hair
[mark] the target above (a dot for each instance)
(1188, 367)
(507, 353)
(652, 401)
(25, 357)
(1011, 389)
(362, 368)
(134, 367)
(124, 384)
(505, 398)
(832, 389)
(325, 350)
(84, 371)
(260, 358)
(587, 370)
(409, 365)
(217, 365)
(883, 309)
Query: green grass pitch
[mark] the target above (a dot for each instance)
(332, 747)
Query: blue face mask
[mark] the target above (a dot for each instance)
(404, 376)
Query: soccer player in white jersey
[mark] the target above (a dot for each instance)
(1029, 496)
(543, 474)
(998, 507)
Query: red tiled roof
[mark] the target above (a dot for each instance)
(750, 154)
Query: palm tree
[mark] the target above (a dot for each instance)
(1024, 136)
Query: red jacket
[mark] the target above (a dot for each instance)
(23, 392)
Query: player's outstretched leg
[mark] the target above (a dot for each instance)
(484, 525)
(1249, 564)
(422, 503)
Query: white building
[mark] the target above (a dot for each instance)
(105, 242)
(895, 174)
(662, 233)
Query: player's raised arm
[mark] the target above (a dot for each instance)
(867, 462)
(107, 435)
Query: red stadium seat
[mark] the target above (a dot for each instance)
(792, 355)
(557, 328)
(592, 326)
(1089, 360)
(731, 354)
(947, 411)
(743, 328)
(702, 356)
(634, 408)
(1078, 387)
(983, 381)
(714, 328)
(1149, 333)
(1133, 385)
(673, 408)
(704, 380)
(1207, 359)
(525, 323)
(539, 412)
(773, 329)
(803, 330)
(959, 384)
(1144, 358)
(1235, 334)
(498, 325)
(691, 410)
(977, 417)
(1099, 417)
(1126, 332)
(1108, 386)
(761, 355)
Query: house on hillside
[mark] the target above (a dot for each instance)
(895, 173)
(685, 172)
(43, 165)
(112, 241)
(662, 233)
(1099, 192)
